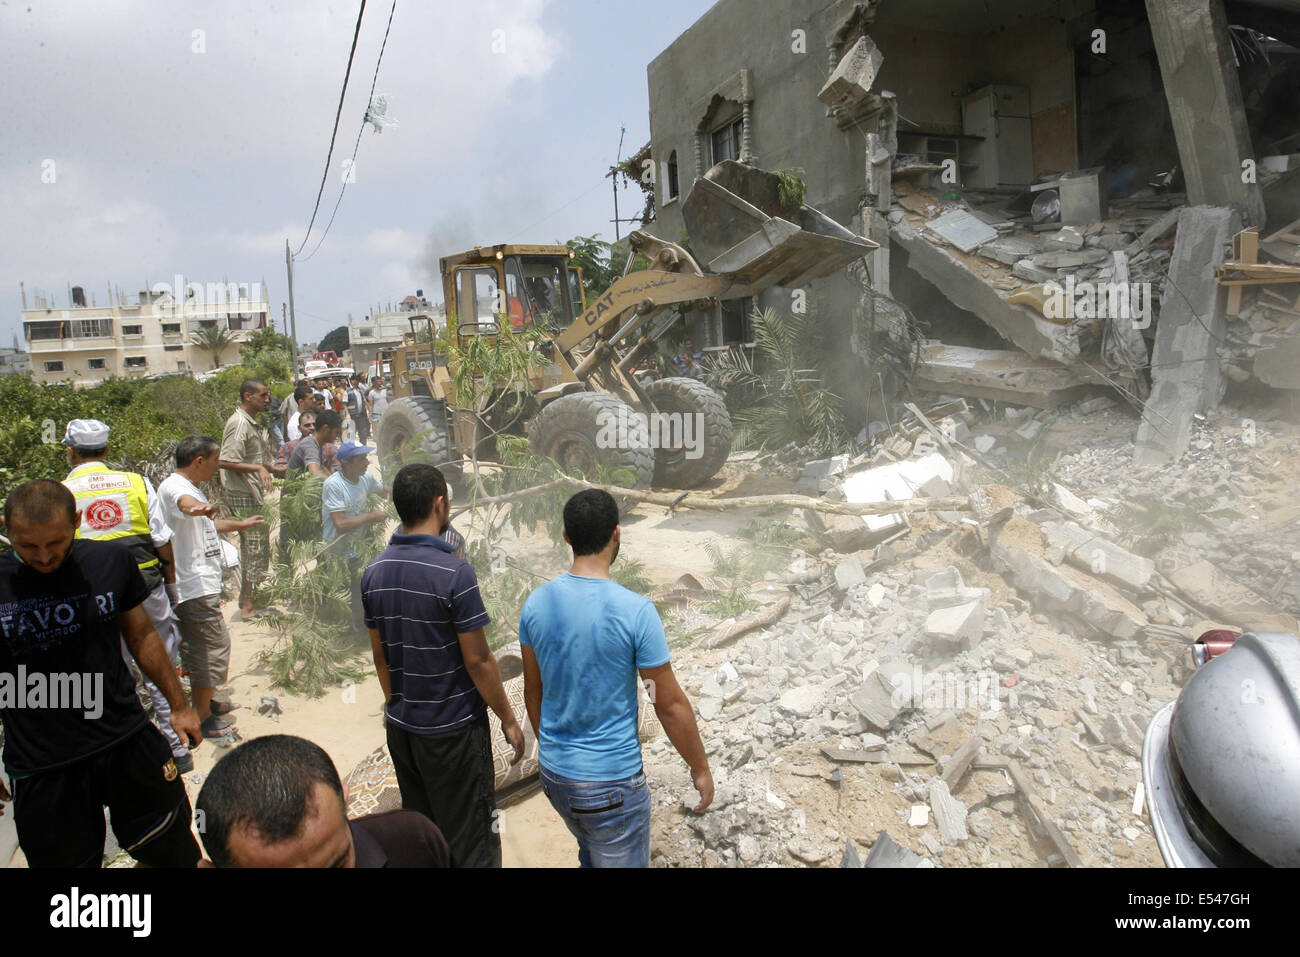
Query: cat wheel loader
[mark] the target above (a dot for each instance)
(584, 408)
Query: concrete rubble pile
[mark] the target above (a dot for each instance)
(971, 688)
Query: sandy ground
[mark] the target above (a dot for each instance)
(347, 723)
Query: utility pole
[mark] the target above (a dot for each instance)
(293, 320)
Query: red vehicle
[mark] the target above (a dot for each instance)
(330, 358)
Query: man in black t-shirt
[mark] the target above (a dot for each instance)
(76, 738)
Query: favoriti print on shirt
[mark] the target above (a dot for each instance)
(30, 624)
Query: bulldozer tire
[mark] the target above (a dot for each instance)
(419, 419)
(689, 396)
(569, 430)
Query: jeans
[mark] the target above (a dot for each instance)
(610, 819)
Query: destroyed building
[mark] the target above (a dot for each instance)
(1053, 184)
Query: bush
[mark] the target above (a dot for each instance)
(143, 416)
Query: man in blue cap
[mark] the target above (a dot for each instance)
(344, 498)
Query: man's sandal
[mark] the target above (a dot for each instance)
(214, 726)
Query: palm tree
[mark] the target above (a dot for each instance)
(212, 339)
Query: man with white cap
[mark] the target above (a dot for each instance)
(122, 506)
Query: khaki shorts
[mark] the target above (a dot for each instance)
(205, 642)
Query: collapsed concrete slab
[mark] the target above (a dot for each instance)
(997, 374)
(1185, 377)
(1024, 327)
(1092, 553)
(1018, 547)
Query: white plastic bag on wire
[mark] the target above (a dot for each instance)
(377, 113)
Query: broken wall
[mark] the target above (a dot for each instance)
(1039, 57)
(788, 129)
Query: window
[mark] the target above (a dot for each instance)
(172, 348)
(516, 301)
(545, 281)
(171, 328)
(95, 363)
(55, 365)
(726, 141)
(85, 328)
(476, 297)
(43, 330)
(671, 185)
(575, 291)
(365, 333)
(133, 330)
(735, 321)
(207, 323)
(134, 362)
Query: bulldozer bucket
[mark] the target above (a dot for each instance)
(739, 228)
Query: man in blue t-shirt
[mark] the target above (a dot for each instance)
(584, 639)
(343, 514)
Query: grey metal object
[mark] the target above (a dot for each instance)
(738, 225)
(1082, 193)
(1047, 207)
(1234, 737)
(1177, 846)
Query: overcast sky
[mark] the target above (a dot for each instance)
(190, 138)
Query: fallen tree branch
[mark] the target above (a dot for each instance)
(729, 631)
(677, 500)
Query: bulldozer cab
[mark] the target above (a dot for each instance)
(530, 286)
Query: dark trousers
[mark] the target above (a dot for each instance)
(449, 778)
(59, 814)
(356, 568)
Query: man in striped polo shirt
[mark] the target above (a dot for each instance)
(426, 621)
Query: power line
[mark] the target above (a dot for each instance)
(337, 115)
(355, 146)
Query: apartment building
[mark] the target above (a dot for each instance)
(151, 333)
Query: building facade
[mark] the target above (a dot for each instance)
(14, 361)
(384, 330)
(152, 334)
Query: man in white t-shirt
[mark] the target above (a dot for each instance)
(378, 396)
(308, 401)
(196, 544)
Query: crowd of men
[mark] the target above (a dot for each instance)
(107, 572)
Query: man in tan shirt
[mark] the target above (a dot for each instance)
(245, 478)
